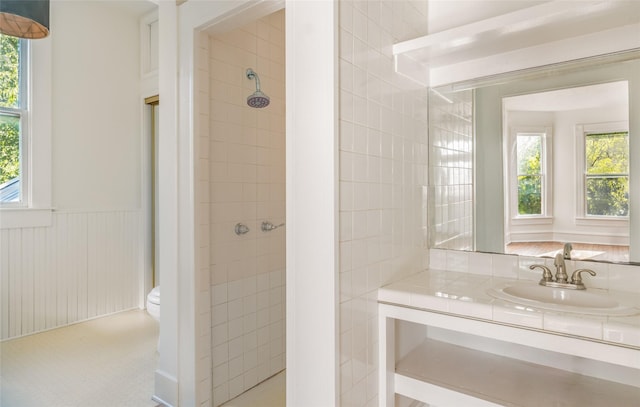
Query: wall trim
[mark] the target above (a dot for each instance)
(312, 202)
(168, 386)
(24, 218)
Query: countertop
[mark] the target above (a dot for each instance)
(465, 295)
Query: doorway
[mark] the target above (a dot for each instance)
(246, 185)
(152, 277)
(311, 196)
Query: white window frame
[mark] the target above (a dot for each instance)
(149, 45)
(35, 208)
(546, 217)
(22, 112)
(581, 131)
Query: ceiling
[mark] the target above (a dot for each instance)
(580, 98)
(540, 23)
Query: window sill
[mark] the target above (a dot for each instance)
(533, 220)
(601, 221)
(13, 218)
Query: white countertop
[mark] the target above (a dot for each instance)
(466, 295)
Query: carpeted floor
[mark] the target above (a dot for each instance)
(106, 362)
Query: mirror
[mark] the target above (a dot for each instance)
(526, 162)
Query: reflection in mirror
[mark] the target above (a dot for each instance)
(451, 170)
(526, 163)
(567, 172)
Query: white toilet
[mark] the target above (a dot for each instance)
(153, 303)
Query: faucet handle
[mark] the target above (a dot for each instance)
(546, 273)
(576, 279)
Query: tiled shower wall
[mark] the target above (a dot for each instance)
(246, 185)
(383, 178)
(451, 170)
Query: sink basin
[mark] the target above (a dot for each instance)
(561, 299)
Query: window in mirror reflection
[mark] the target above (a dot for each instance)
(530, 176)
(534, 192)
(607, 174)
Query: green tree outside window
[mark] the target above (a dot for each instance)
(529, 156)
(9, 102)
(607, 174)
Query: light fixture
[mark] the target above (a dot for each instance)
(24, 19)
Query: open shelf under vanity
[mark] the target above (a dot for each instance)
(471, 377)
(447, 360)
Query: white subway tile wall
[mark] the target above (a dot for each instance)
(246, 184)
(383, 167)
(451, 170)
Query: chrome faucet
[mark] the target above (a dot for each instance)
(561, 269)
(566, 252)
(560, 280)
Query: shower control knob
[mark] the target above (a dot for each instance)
(241, 229)
(268, 226)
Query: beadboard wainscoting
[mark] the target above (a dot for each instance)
(85, 265)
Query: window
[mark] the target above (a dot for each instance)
(529, 174)
(25, 71)
(606, 172)
(602, 169)
(13, 112)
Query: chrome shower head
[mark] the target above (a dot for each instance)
(258, 99)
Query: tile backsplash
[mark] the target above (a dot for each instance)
(609, 276)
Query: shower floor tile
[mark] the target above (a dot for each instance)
(270, 393)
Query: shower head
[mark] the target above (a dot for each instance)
(258, 99)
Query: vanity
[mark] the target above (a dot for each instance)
(445, 340)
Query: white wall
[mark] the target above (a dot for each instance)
(444, 14)
(96, 106)
(312, 199)
(383, 175)
(167, 375)
(87, 262)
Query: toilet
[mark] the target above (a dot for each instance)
(153, 303)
